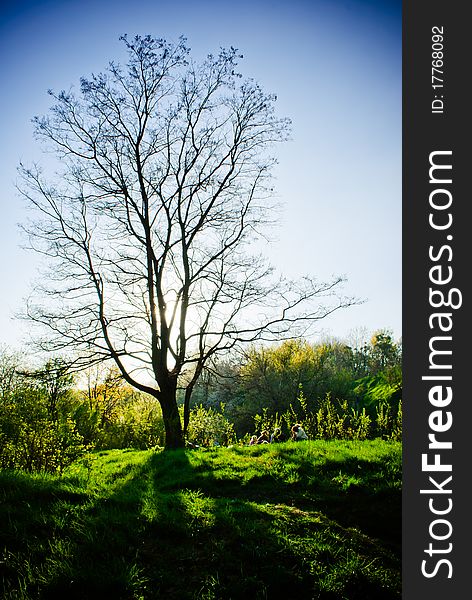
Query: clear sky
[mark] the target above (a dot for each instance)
(336, 68)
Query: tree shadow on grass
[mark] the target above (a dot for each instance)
(60, 542)
(230, 539)
(353, 492)
(28, 504)
(177, 528)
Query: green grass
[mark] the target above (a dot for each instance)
(307, 520)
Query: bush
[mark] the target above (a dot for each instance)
(334, 419)
(208, 427)
(41, 445)
(138, 424)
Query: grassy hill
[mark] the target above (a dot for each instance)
(308, 520)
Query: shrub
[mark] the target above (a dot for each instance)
(208, 427)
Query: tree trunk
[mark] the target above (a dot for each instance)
(172, 424)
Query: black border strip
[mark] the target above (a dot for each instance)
(426, 246)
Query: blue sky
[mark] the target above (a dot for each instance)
(336, 68)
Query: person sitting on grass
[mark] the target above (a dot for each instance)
(276, 436)
(263, 438)
(298, 434)
(253, 440)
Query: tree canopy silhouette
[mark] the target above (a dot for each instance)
(163, 188)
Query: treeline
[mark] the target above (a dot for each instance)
(335, 389)
(49, 417)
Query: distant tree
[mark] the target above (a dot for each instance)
(10, 379)
(271, 376)
(385, 353)
(106, 391)
(55, 380)
(163, 189)
(37, 431)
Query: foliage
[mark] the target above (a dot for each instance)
(329, 420)
(111, 414)
(267, 381)
(271, 376)
(102, 412)
(45, 424)
(36, 430)
(338, 419)
(208, 523)
(209, 427)
(389, 421)
(48, 418)
(382, 387)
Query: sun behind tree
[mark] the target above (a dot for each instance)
(164, 187)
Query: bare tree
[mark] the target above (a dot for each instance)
(164, 187)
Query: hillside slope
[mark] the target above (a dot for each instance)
(308, 520)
